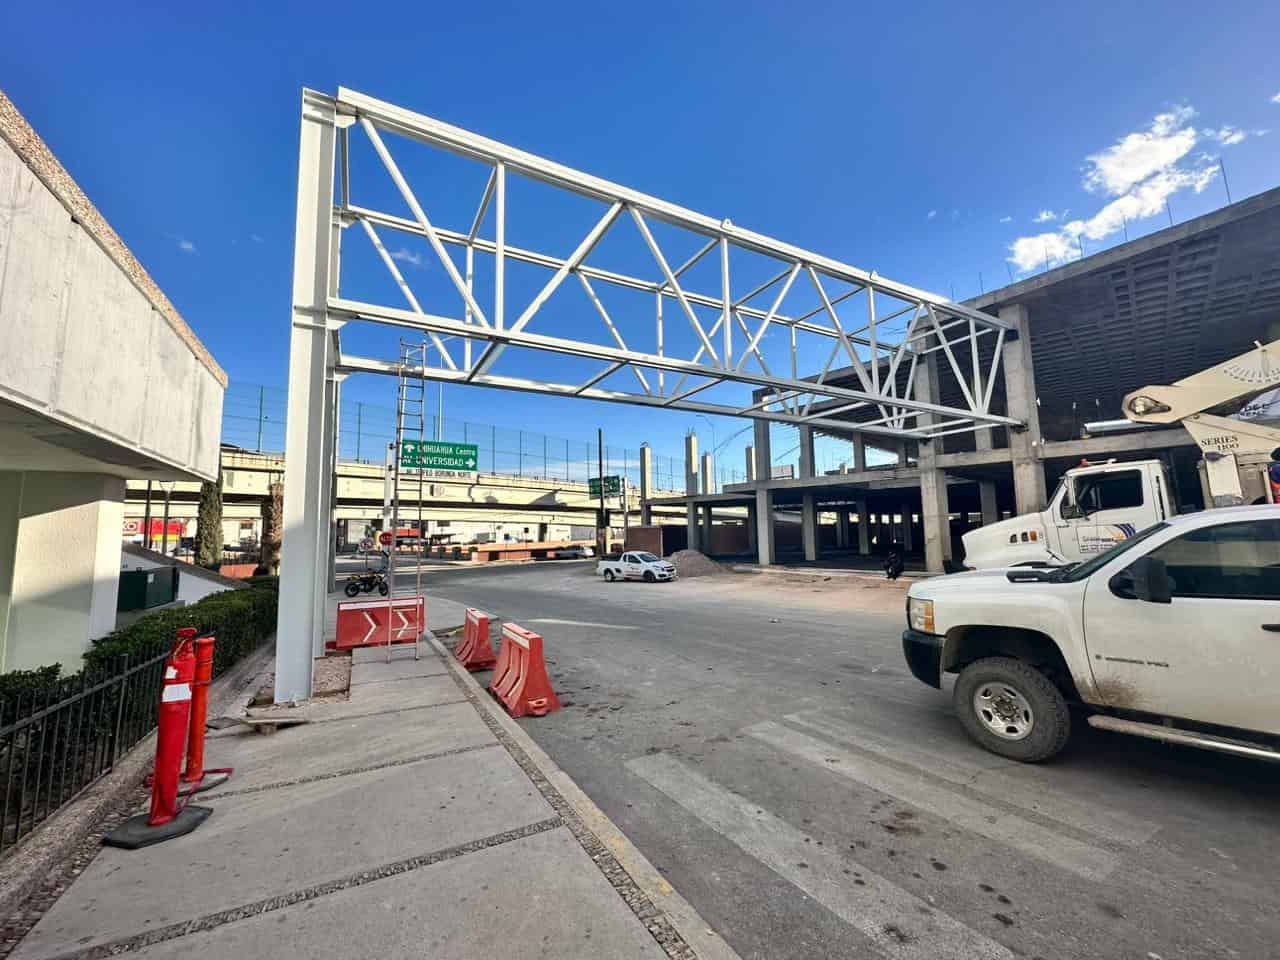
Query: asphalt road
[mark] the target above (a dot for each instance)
(762, 742)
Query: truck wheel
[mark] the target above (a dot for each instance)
(649, 577)
(608, 576)
(1012, 709)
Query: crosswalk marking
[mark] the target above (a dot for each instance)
(1030, 838)
(902, 925)
(984, 773)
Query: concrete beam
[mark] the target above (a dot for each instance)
(1138, 442)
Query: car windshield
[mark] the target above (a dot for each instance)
(646, 557)
(1081, 570)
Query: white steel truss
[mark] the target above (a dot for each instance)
(850, 313)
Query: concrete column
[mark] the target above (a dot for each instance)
(864, 528)
(935, 511)
(937, 520)
(708, 474)
(59, 565)
(908, 535)
(763, 452)
(806, 452)
(646, 484)
(706, 527)
(752, 532)
(691, 487)
(809, 525)
(903, 461)
(987, 495)
(766, 549)
(1020, 388)
(751, 464)
(842, 528)
(859, 452)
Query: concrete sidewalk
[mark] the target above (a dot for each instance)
(413, 820)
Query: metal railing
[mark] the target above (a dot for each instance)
(60, 738)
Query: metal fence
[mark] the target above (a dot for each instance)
(253, 417)
(59, 738)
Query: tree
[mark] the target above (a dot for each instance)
(209, 524)
(272, 528)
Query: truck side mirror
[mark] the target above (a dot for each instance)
(1073, 511)
(1147, 578)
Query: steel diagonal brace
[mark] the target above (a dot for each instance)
(674, 284)
(432, 237)
(404, 288)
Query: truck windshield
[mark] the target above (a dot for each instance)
(1082, 570)
(646, 558)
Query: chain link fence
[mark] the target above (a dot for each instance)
(253, 418)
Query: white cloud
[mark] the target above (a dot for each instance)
(255, 238)
(1228, 136)
(932, 214)
(186, 246)
(1006, 219)
(1140, 172)
(408, 256)
(1276, 98)
(1136, 156)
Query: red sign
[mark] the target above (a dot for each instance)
(363, 623)
(384, 538)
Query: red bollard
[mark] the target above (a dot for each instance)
(196, 778)
(166, 819)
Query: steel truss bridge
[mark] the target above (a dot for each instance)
(881, 330)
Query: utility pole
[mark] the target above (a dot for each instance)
(602, 519)
(146, 520)
(262, 391)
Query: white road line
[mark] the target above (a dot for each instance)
(579, 623)
(988, 775)
(900, 924)
(1030, 838)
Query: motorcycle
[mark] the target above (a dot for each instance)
(365, 582)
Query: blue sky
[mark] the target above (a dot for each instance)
(933, 143)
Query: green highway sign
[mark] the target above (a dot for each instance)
(612, 486)
(437, 458)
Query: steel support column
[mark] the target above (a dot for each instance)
(303, 568)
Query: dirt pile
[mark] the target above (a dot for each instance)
(691, 563)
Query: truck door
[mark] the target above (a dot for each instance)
(1116, 505)
(1213, 653)
(632, 568)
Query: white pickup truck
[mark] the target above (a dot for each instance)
(1171, 634)
(636, 565)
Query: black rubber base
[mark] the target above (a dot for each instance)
(136, 832)
(207, 782)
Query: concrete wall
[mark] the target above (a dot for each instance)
(86, 339)
(59, 565)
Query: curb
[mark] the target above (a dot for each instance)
(829, 572)
(683, 918)
(56, 851)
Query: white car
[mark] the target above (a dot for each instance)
(1171, 634)
(636, 565)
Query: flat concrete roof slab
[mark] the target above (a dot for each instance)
(318, 749)
(536, 897)
(266, 844)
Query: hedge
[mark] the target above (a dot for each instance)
(240, 619)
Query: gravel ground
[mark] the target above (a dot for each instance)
(691, 563)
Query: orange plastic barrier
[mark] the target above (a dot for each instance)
(474, 650)
(520, 679)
